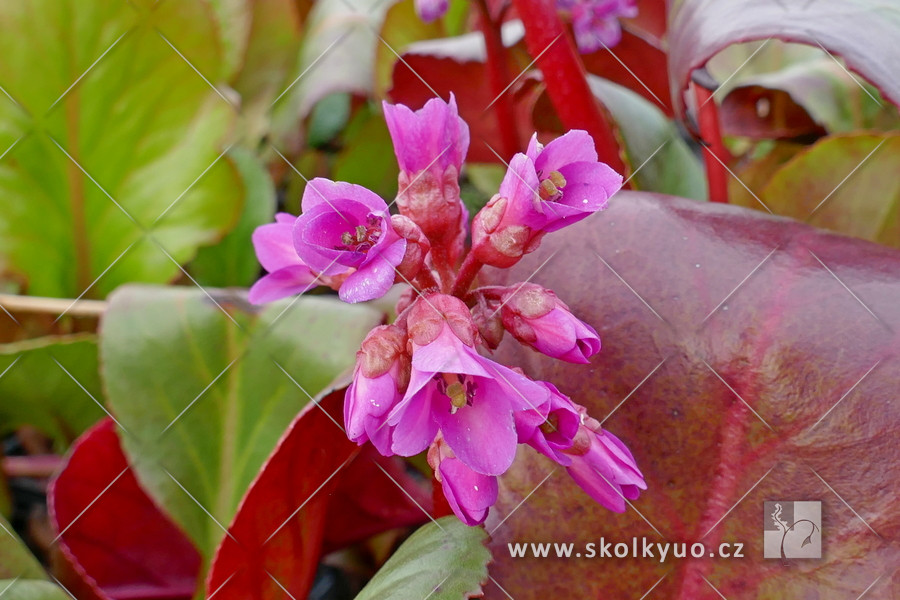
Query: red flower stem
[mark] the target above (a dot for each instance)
(466, 275)
(565, 77)
(425, 280)
(499, 79)
(714, 147)
(442, 264)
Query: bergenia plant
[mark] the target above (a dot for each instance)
(425, 381)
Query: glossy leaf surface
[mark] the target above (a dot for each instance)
(745, 358)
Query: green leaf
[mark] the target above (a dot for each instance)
(204, 395)
(368, 156)
(444, 560)
(262, 38)
(15, 558)
(51, 383)
(27, 589)
(664, 161)
(328, 119)
(117, 142)
(846, 183)
(232, 262)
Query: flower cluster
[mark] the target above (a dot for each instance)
(595, 23)
(423, 381)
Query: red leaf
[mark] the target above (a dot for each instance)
(374, 494)
(275, 540)
(650, 21)
(457, 66)
(759, 112)
(852, 29)
(738, 368)
(636, 64)
(115, 541)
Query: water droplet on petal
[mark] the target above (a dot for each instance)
(697, 265)
(476, 488)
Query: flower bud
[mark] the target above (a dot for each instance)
(537, 318)
(379, 380)
(417, 248)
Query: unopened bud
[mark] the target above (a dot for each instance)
(417, 248)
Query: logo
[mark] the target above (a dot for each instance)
(792, 529)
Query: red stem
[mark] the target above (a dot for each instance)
(714, 147)
(425, 280)
(499, 80)
(466, 275)
(565, 77)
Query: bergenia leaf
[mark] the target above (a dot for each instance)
(274, 544)
(738, 368)
(862, 32)
(234, 377)
(116, 170)
(56, 386)
(115, 540)
(444, 560)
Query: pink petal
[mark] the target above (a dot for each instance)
(430, 10)
(414, 426)
(574, 146)
(281, 284)
(375, 275)
(469, 494)
(448, 354)
(324, 191)
(274, 245)
(482, 435)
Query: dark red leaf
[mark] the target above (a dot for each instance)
(115, 541)
(650, 21)
(863, 32)
(275, 540)
(375, 494)
(738, 368)
(636, 64)
(760, 113)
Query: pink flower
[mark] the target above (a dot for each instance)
(544, 190)
(429, 10)
(379, 380)
(454, 390)
(536, 317)
(552, 430)
(431, 145)
(596, 22)
(604, 467)
(347, 226)
(469, 494)
(288, 275)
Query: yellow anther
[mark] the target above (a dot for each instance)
(557, 178)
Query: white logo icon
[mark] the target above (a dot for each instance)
(792, 529)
